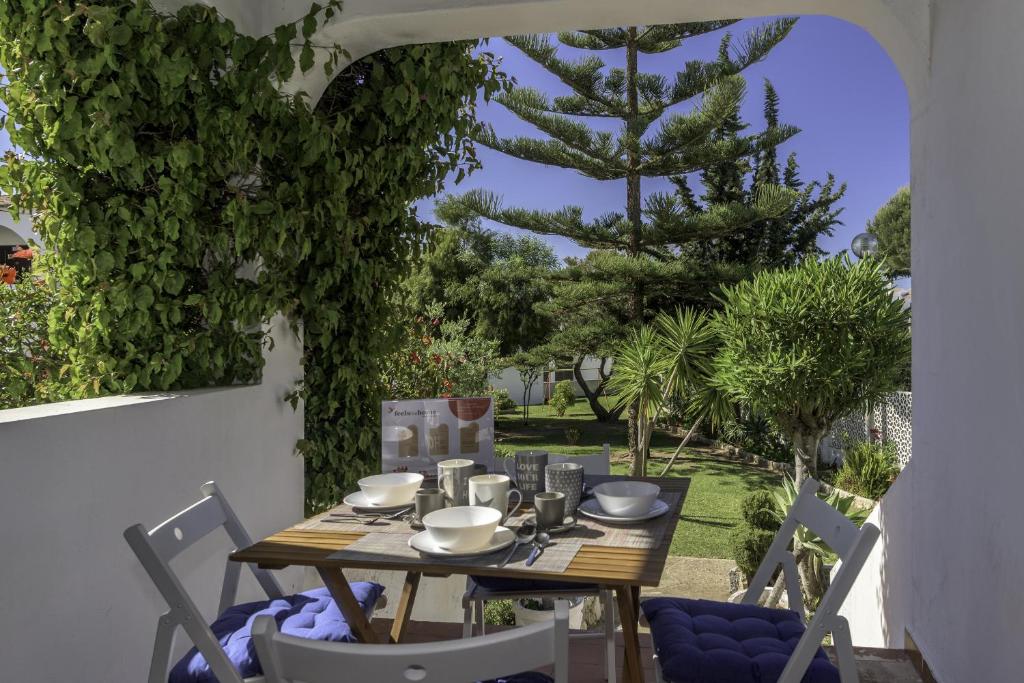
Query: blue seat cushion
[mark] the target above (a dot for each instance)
(500, 585)
(702, 641)
(312, 615)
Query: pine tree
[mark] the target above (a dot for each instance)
(640, 248)
(776, 241)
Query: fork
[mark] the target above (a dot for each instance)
(371, 516)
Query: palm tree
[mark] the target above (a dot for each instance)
(689, 342)
(641, 367)
(670, 359)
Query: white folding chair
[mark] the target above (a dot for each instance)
(157, 547)
(852, 544)
(476, 595)
(289, 660)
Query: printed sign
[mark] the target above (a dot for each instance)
(416, 435)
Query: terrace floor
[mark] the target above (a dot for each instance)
(586, 656)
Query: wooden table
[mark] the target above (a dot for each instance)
(624, 570)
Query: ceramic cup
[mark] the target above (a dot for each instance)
(550, 509)
(528, 472)
(453, 476)
(493, 491)
(567, 478)
(430, 500)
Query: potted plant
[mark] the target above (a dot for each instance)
(534, 611)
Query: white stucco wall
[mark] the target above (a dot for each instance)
(15, 231)
(74, 603)
(509, 379)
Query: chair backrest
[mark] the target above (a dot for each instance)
(156, 548)
(597, 463)
(286, 659)
(852, 544)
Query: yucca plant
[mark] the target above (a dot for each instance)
(810, 549)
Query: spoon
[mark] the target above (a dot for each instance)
(539, 543)
(526, 532)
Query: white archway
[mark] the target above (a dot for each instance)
(955, 580)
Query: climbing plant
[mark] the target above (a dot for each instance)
(189, 199)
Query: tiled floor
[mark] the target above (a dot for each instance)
(586, 656)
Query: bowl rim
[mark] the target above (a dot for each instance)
(365, 480)
(601, 489)
(491, 511)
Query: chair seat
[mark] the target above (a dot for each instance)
(497, 584)
(702, 641)
(312, 614)
(526, 677)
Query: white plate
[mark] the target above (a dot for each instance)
(358, 500)
(502, 538)
(591, 508)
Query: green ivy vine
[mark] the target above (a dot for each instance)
(160, 160)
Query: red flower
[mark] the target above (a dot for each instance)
(436, 358)
(23, 254)
(435, 322)
(414, 357)
(447, 384)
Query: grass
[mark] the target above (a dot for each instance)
(712, 508)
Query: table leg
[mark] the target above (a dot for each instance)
(633, 671)
(404, 614)
(339, 589)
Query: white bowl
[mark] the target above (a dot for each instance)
(462, 528)
(394, 488)
(626, 498)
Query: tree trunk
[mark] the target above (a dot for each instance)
(681, 446)
(639, 467)
(593, 396)
(805, 447)
(808, 564)
(633, 212)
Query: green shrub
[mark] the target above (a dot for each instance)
(755, 433)
(503, 402)
(749, 546)
(868, 469)
(751, 540)
(758, 511)
(573, 435)
(563, 397)
(499, 613)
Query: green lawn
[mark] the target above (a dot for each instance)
(717, 485)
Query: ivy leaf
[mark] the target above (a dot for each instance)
(306, 58)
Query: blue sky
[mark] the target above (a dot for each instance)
(835, 83)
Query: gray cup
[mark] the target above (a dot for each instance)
(430, 500)
(549, 507)
(453, 476)
(567, 478)
(528, 472)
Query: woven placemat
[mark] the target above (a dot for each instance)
(328, 522)
(384, 547)
(649, 534)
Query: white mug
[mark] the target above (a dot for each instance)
(493, 490)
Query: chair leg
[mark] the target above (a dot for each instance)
(844, 651)
(467, 619)
(608, 612)
(480, 617)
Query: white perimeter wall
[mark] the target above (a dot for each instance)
(952, 558)
(509, 379)
(74, 603)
